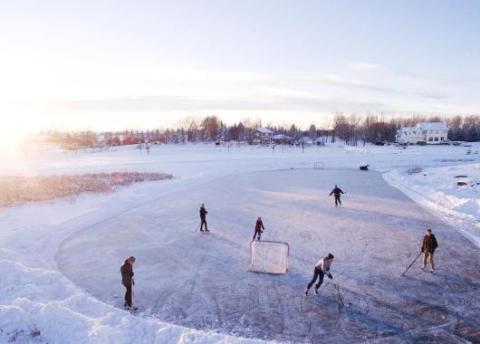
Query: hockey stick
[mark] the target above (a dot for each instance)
(338, 295)
(413, 262)
(196, 229)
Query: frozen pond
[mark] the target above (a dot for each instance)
(201, 280)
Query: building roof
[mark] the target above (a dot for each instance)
(264, 131)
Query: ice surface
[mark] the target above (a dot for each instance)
(201, 280)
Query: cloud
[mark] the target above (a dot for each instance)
(366, 66)
(337, 80)
(168, 103)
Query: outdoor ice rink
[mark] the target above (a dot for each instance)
(61, 258)
(201, 280)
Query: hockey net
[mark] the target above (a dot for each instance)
(269, 257)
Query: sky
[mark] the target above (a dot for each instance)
(110, 65)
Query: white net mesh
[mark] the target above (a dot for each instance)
(269, 257)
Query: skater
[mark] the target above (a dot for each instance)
(322, 268)
(429, 245)
(203, 218)
(337, 192)
(127, 280)
(259, 228)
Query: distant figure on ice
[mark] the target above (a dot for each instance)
(337, 193)
(203, 218)
(429, 246)
(259, 228)
(127, 280)
(322, 268)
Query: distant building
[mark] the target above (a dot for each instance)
(305, 140)
(423, 133)
(281, 139)
(263, 136)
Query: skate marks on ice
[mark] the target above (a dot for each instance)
(202, 281)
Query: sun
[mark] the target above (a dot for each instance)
(10, 142)
(13, 133)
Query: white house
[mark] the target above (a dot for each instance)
(264, 136)
(427, 132)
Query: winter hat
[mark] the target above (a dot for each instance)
(330, 256)
(131, 259)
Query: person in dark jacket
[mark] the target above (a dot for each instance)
(429, 245)
(203, 218)
(259, 228)
(337, 192)
(127, 280)
(322, 268)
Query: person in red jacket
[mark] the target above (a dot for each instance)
(127, 280)
(259, 228)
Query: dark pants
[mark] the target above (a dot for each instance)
(316, 274)
(128, 294)
(428, 256)
(337, 200)
(257, 232)
(203, 222)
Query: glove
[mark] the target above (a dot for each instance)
(329, 275)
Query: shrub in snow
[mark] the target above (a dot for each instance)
(15, 190)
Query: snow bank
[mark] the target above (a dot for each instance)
(41, 305)
(450, 192)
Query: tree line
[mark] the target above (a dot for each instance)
(351, 129)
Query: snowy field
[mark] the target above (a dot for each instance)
(61, 258)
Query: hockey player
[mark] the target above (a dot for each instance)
(429, 245)
(322, 268)
(259, 228)
(127, 280)
(203, 218)
(337, 192)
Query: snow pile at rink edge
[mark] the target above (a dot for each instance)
(40, 306)
(431, 188)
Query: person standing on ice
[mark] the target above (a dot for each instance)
(337, 192)
(259, 228)
(127, 280)
(429, 245)
(322, 268)
(203, 218)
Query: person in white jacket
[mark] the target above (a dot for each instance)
(322, 268)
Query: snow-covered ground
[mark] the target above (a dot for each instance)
(451, 192)
(60, 259)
